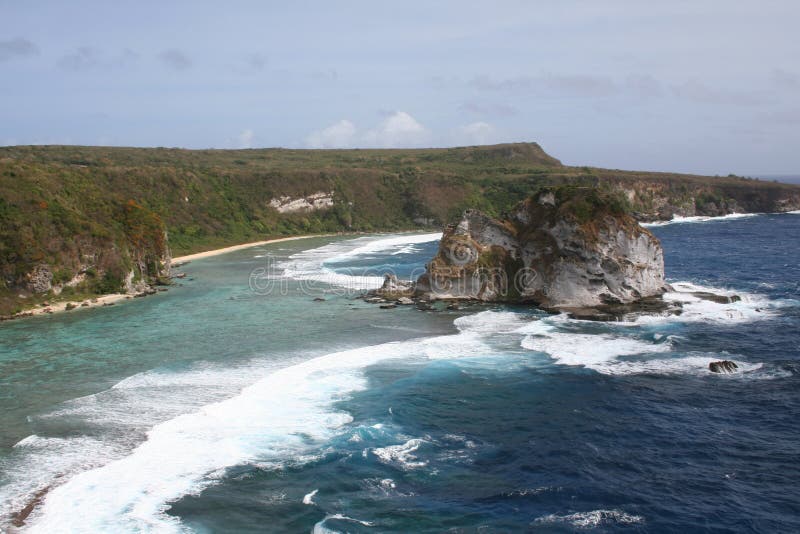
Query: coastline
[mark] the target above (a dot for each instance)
(216, 252)
(113, 298)
(674, 370)
(61, 306)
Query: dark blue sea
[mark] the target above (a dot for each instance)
(238, 403)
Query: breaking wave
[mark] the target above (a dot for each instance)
(314, 265)
(699, 219)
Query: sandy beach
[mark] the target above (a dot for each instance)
(217, 252)
(61, 306)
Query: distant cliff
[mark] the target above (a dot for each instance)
(565, 247)
(81, 219)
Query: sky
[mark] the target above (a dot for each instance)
(704, 86)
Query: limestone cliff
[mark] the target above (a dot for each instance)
(565, 247)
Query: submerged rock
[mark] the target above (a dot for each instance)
(719, 299)
(723, 366)
(626, 312)
(565, 247)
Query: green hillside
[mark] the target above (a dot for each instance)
(103, 212)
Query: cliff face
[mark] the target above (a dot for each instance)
(128, 252)
(563, 248)
(662, 199)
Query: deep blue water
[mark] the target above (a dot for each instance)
(509, 446)
(493, 419)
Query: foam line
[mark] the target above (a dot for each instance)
(311, 264)
(699, 219)
(593, 519)
(282, 417)
(288, 413)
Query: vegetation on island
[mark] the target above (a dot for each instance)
(92, 215)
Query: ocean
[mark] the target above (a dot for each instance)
(237, 402)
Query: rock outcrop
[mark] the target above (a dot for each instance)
(393, 288)
(723, 366)
(316, 201)
(40, 279)
(564, 248)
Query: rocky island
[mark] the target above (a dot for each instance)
(563, 248)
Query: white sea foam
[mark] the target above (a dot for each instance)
(36, 463)
(385, 487)
(372, 245)
(402, 456)
(146, 399)
(278, 418)
(491, 322)
(410, 249)
(308, 498)
(752, 307)
(310, 265)
(199, 375)
(625, 348)
(594, 351)
(594, 518)
(474, 332)
(590, 350)
(320, 527)
(697, 365)
(282, 417)
(118, 418)
(464, 344)
(699, 219)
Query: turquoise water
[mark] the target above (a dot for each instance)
(216, 408)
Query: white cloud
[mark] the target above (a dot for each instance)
(476, 133)
(339, 135)
(400, 130)
(245, 139)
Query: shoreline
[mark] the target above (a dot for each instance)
(216, 252)
(61, 306)
(113, 298)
